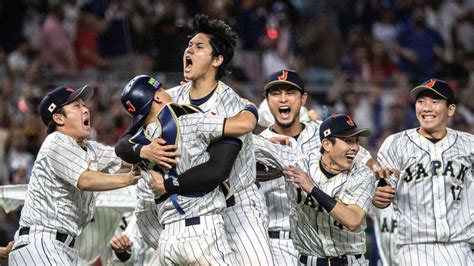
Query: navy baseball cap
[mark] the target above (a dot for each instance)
(341, 125)
(137, 96)
(60, 97)
(440, 87)
(285, 77)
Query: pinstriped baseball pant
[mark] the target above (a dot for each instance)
(40, 247)
(433, 254)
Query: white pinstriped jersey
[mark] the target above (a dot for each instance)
(435, 196)
(53, 199)
(313, 231)
(196, 132)
(147, 216)
(226, 102)
(110, 208)
(385, 227)
(275, 192)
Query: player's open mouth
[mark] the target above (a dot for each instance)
(188, 63)
(350, 157)
(87, 122)
(428, 117)
(284, 111)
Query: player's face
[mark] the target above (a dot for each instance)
(197, 58)
(343, 152)
(285, 103)
(433, 114)
(76, 122)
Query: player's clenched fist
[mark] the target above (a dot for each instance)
(134, 175)
(156, 183)
(383, 196)
(121, 243)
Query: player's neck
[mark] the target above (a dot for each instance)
(202, 87)
(292, 131)
(439, 134)
(329, 166)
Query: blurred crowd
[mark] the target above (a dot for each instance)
(360, 57)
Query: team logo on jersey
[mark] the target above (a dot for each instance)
(130, 107)
(430, 83)
(51, 107)
(283, 76)
(350, 122)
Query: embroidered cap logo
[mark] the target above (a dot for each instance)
(283, 76)
(350, 122)
(430, 83)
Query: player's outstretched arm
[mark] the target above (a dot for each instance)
(243, 122)
(203, 177)
(351, 216)
(98, 181)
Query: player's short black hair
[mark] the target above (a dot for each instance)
(331, 139)
(222, 38)
(52, 126)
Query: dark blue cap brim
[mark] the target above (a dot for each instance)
(85, 93)
(276, 82)
(361, 132)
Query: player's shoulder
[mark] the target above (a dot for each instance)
(402, 136)
(176, 91)
(361, 171)
(226, 92)
(466, 136)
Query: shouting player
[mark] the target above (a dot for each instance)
(193, 223)
(434, 194)
(59, 202)
(329, 194)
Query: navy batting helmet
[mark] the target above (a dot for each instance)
(137, 96)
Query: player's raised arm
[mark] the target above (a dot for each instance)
(243, 122)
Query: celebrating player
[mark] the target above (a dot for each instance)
(59, 203)
(193, 224)
(434, 193)
(329, 194)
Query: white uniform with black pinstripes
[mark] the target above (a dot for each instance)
(54, 203)
(246, 222)
(313, 231)
(435, 196)
(385, 228)
(206, 242)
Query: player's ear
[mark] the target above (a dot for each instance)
(451, 109)
(325, 144)
(58, 118)
(217, 60)
(304, 97)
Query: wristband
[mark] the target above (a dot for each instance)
(124, 256)
(324, 199)
(251, 108)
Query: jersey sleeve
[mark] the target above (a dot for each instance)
(275, 155)
(387, 156)
(67, 162)
(359, 189)
(363, 155)
(108, 161)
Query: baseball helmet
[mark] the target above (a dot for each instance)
(137, 96)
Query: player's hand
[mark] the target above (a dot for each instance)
(160, 153)
(384, 172)
(283, 140)
(383, 196)
(120, 243)
(156, 183)
(299, 177)
(134, 175)
(4, 251)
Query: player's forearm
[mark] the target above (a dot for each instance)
(97, 181)
(240, 124)
(350, 217)
(126, 151)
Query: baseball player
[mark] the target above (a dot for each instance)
(192, 217)
(208, 53)
(434, 193)
(329, 194)
(285, 95)
(111, 208)
(59, 203)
